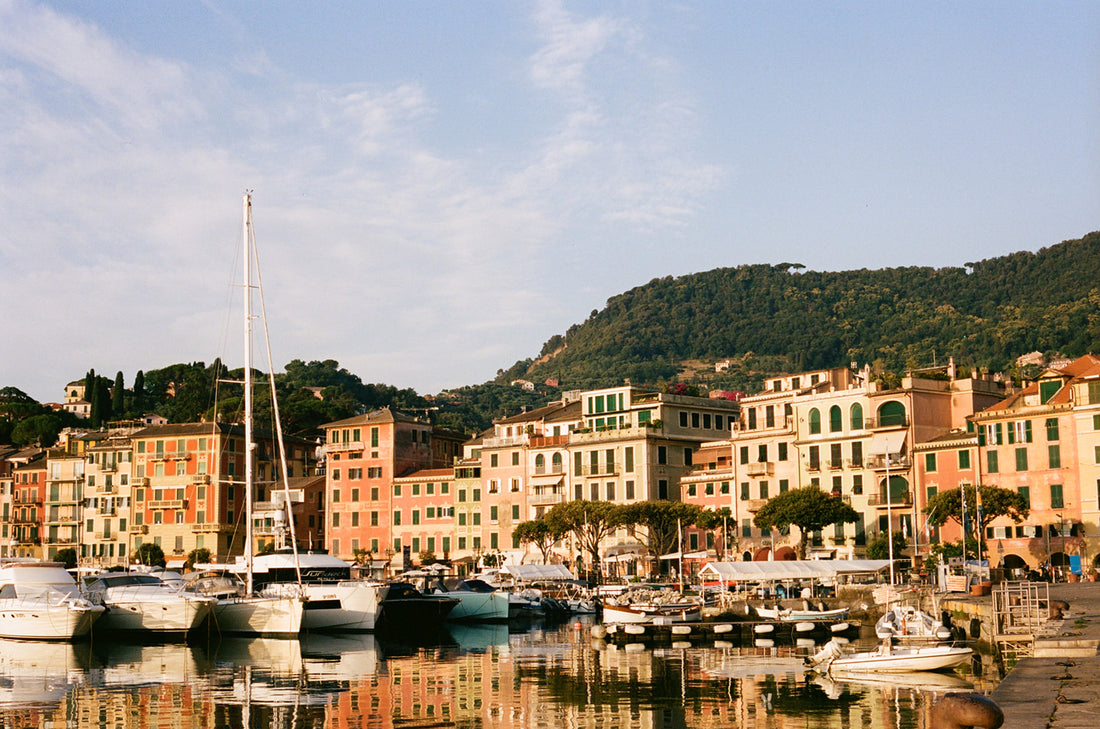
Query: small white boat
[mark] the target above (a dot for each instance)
(41, 601)
(653, 613)
(888, 659)
(795, 615)
(142, 604)
(907, 624)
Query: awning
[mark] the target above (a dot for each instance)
(883, 444)
(536, 572)
(175, 563)
(789, 569)
(545, 481)
(687, 555)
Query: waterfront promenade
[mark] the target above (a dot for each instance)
(1059, 687)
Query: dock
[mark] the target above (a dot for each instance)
(1058, 685)
(735, 632)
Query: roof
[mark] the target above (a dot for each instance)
(790, 569)
(433, 473)
(534, 572)
(384, 415)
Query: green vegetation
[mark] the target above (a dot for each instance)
(808, 508)
(761, 319)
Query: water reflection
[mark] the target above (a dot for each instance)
(479, 676)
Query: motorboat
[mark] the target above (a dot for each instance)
(143, 605)
(477, 599)
(41, 601)
(907, 624)
(888, 658)
(404, 609)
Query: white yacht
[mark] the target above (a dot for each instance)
(478, 601)
(41, 601)
(144, 605)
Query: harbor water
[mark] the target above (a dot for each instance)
(542, 677)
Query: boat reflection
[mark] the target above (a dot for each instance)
(40, 674)
(923, 681)
(479, 638)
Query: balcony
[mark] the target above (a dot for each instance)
(835, 465)
(200, 479)
(167, 504)
(351, 445)
(603, 469)
(753, 505)
(879, 501)
(896, 463)
(504, 442)
(546, 497)
(552, 471)
(545, 441)
(206, 528)
(896, 421)
(761, 468)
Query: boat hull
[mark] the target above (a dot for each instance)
(925, 658)
(263, 616)
(23, 620)
(637, 613)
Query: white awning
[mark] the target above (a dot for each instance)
(789, 569)
(686, 555)
(544, 481)
(883, 444)
(535, 572)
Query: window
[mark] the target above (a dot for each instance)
(662, 455)
(752, 418)
(662, 489)
(610, 490)
(856, 416)
(629, 489)
(695, 420)
(725, 487)
(1021, 459)
(782, 451)
(1052, 428)
(493, 460)
(815, 421)
(374, 437)
(746, 527)
(515, 458)
(687, 457)
(336, 519)
(762, 453)
(1054, 455)
(763, 489)
(493, 513)
(769, 416)
(835, 460)
(784, 485)
(835, 423)
(930, 462)
(745, 491)
(1056, 501)
(1025, 493)
(991, 462)
(515, 512)
(857, 484)
(815, 458)
(683, 419)
(964, 459)
(1049, 388)
(743, 454)
(628, 459)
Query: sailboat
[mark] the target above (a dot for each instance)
(245, 612)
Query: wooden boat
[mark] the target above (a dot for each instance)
(795, 615)
(652, 613)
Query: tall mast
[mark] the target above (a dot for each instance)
(248, 446)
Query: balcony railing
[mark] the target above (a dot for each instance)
(897, 499)
(340, 447)
(542, 498)
(893, 421)
(835, 465)
(558, 470)
(167, 504)
(896, 462)
(543, 441)
(760, 468)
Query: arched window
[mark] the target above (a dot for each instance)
(557, 463)
(835, 423)
(540, 463)
(891, 413)
(856, 416)
(815, 421)
(899, 490)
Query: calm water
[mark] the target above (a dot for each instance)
(552, 677)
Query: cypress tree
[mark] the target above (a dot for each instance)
(118, 396)
(137, 402)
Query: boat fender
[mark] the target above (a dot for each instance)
(976, 628)
(838, 627)
(598, 631)
(723, 628)
(803, 627)
(763, 628)
(633, 629)
(681, 629)
(966, 709)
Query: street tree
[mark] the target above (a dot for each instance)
(996, 502)
(662, 521)
(808, 508)
(539, 533)
(588, 521)
(721, 521)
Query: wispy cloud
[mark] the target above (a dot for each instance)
(121, 174)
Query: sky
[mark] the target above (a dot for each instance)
(440, 187)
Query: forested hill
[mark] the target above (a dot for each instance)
(771, 318)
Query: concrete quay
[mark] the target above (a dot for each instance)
(1059, 687)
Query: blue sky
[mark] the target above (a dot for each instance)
(439, 187)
